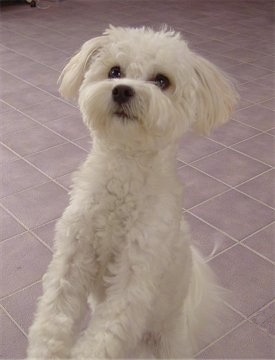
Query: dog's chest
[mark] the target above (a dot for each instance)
(116, 210)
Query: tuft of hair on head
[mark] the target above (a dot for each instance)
(216, 96)
(170, 32)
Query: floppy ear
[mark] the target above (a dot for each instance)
(215, 96)
(73, 74)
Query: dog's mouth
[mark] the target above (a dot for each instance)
(124, 115)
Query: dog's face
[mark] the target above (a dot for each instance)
(142, 89)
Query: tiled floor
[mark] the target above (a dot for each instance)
(229, 179)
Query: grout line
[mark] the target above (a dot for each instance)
(41, 241)
(13, 320)
(67, 141)
(250, 62)
(255, 199)
(35, 40)
(270, 167)
(254, 177)
(205, 201)
(44, 125)
(27, 229)
(20, 290)
(235, 188)
(246, 125)
(236, 242)
(17, 219)
(261, 309)
(41, 171)
(236, 310)
(47, 223)
(34, 187)
(204, 156)
(230, 148)
(252, 103)
(211, 176)
(257, 253)
(46, 102)
(258, 78)
(36, 87)
(221, 252)
(262, 329)
(266, 107)
(239, 142)
(232, 187)
(250, 126)
(238, 151)
(244, 81)
(250, 317)
(220, 338)
(256, 232)
(245, 319)
(25, 157)
(32, 60)
(16, 235)
(268, 133)
(45, 28)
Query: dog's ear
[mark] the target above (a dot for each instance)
(73, 74)
(215, 95)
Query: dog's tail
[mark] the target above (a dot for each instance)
(203, 305)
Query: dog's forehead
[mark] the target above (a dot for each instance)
(141, 49)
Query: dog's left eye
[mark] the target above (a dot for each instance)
(162, 81)
(115, 73)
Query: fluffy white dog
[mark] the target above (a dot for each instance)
(122, 239)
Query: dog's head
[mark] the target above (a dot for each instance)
(143, 89)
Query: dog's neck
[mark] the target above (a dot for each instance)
(142, 172)
(164, 159)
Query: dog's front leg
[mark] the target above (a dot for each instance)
(119, 323)
(66, 286)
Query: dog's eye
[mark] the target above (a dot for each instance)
(115, 73)
(162, 81)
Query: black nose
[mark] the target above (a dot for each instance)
(122, 93)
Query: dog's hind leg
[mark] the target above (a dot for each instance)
(66, 286)
(183, 336)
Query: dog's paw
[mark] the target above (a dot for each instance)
(50, 338)
(99, 346)
(48, 349)
(86, 350)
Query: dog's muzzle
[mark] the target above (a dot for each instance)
(122, 94)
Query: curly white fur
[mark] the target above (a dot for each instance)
(122, 239)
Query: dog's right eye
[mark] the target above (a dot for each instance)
(162, 81)
(115, 73)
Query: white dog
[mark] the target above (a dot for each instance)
(122, 239)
